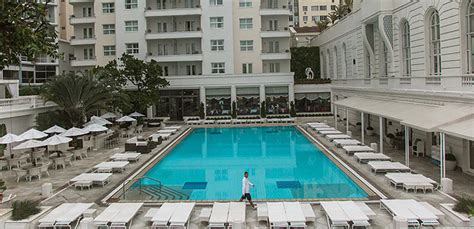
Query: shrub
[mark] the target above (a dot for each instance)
(24, 209)
(450, 157)
(234, 109)
(292, 109)
(201, 111)
(465, 205)
(263, 110)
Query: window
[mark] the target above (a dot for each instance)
(131, 4)
(315, 18)
(162, 27)
(247, 68)
(217, 45)
(87, 33)
(305, 8)
(333, 7)
(323, 8)
(87, 12)
(274, 47)
(246, 45)
(245, 3)
(323, 18)
(246, 23)
(109, 50)
(88, 54)
(131, 48)
(108, 28)
(218, 68)
(191, 70)
(305, 18)
(131, 26)
(314, 8)
(406, 49)
(344, 55)
(108, 7)
(44, 73)
(215, 2)
(217, 22)
(274, 67)
(385, 60)
(470, 37)
(165, 70)
(434, 44)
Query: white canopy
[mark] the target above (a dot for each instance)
(32, 134)
(462, 129)
(108, 115)
(125, 119)
(29, 145)
(74, 132)
(55, 130)
(56, 140)
(95, 128)
(10, 138)
(99, 121)
(136, 114)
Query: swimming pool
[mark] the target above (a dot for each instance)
(208, 164)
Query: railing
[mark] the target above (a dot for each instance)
(312, 81)
(197, 6)
(140, 179)
(174, 53)
(22, 102)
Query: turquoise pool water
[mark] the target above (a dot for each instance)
(209, 163)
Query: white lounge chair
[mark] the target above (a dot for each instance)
(111, 166)
(335, 215)
(277, 215)
(118, 215)
(127, 156)
(329, 132)
(219, 215)
(172, 127)
(181, 215)
(366, 157)
(346, 142)
(224, 121)
(308, 212)
(412, 210)
(332, 137)
(236, 217)
(167, 131)
(194, 122)
(63, 215)
(317, 124)
(354, 149)
(295, 215)
(356, 215)
(410, 181)
(319, 129)
(96, 178)
(163, 215)
(262, 212)
(208, 122)
(387, 166)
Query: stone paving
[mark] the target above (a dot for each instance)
(59, 179)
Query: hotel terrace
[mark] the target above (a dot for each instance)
(385, 140)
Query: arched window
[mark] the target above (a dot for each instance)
(406, 48)
(434, 44)
(470, 37)
(368, 70)
(385, 60)
(323, 66)
(336, 61)
(328, 65)
(344, 55)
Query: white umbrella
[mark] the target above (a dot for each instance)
(125, 119)
(95, 128)
(55, 130)
(29, 145)
(56, 140)
(32, 134)
(109, 115)
(136, 114)
(99, 121)
(10, 138)
(74, 132)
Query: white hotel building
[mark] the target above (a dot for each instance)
(407, 66)
(212, 51)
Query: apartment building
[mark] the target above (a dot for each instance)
(312, 11)
(404, 68)
(213, 52)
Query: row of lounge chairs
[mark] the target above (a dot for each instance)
(377, 162)
(240, 121)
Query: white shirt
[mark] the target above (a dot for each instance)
(246, 185)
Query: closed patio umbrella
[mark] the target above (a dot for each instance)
(136, 114)
(125, 119)
(95, 128)
(55, 130)
(30, 144)
(108, 115)
(74, 132)
(32, 134)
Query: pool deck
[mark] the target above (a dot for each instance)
(59, 179)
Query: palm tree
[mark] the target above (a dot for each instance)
(77, 96)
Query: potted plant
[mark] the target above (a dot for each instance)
(292, 109)
(465, 205)
(263, 110)
(370, 131)
(201, 111)
(358, 126)
(234, 110)
(450, 161)
(390, 138)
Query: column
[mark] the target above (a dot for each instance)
(381, 134)
(347, 120)
(335, 116)
(202, 97)
(149, 112)
(362, 127)
(291, 93)
(262, 93)
(442, 155)
(407, 146)
(233, 94)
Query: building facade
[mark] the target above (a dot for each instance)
(312, 11)
(405, 68)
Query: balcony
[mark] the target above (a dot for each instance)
(46, 60)
(274, 10)
(280, 55)
(265, 33)
(151, 35)
(22, 105)
(195, 56)
(73, 20)
(80, 1)
(83, 62)
(82, 41)
(153, 12)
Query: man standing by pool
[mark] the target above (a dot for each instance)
(246, 189)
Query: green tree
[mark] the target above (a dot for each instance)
(263, 110)
(77, 96)
(234, 109)
(25, 31)
(322, 25)
(302, 58)
(140, 79)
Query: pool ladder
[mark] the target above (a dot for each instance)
(124, 184)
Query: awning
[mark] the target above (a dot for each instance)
(417, 115)
(462, 129)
